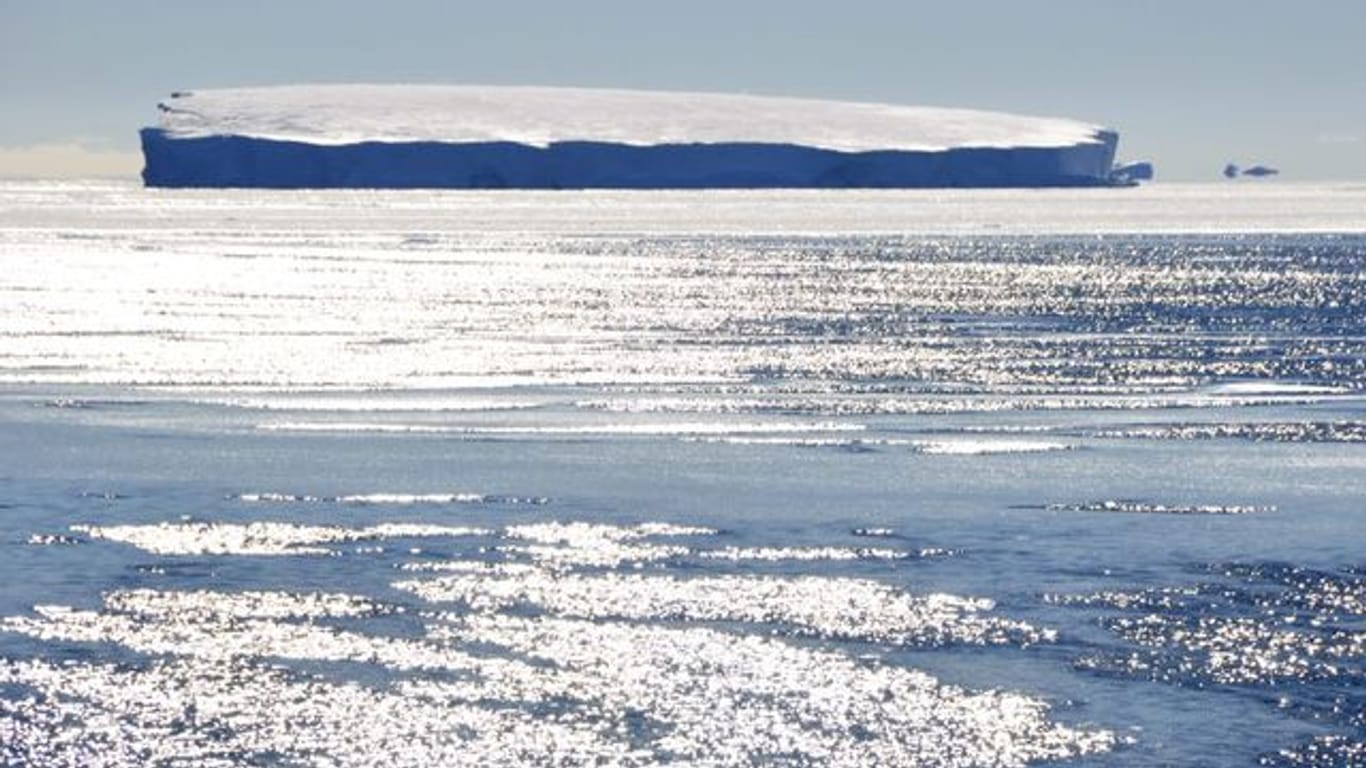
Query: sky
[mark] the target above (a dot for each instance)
(1189, 84)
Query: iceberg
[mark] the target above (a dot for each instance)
(473, 137)
(1132, 173)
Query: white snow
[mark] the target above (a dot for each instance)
(540, 116)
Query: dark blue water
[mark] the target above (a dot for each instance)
(291, 487)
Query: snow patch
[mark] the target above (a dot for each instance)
(541, 116)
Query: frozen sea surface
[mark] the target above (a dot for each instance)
(929, 479)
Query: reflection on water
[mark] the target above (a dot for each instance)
(789, 479)
(303, 291)
(616, 665)
(1293, 634)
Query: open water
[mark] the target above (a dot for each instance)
(1070, 478)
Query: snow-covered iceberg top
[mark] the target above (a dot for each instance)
(540, 116)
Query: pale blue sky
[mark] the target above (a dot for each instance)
(1190, 84)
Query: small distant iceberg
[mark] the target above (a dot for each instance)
(1132, 173)
(1232, 171)
(480, 137)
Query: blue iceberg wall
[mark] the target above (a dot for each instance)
(240, 161)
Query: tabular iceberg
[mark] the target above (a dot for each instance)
(428, 136)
